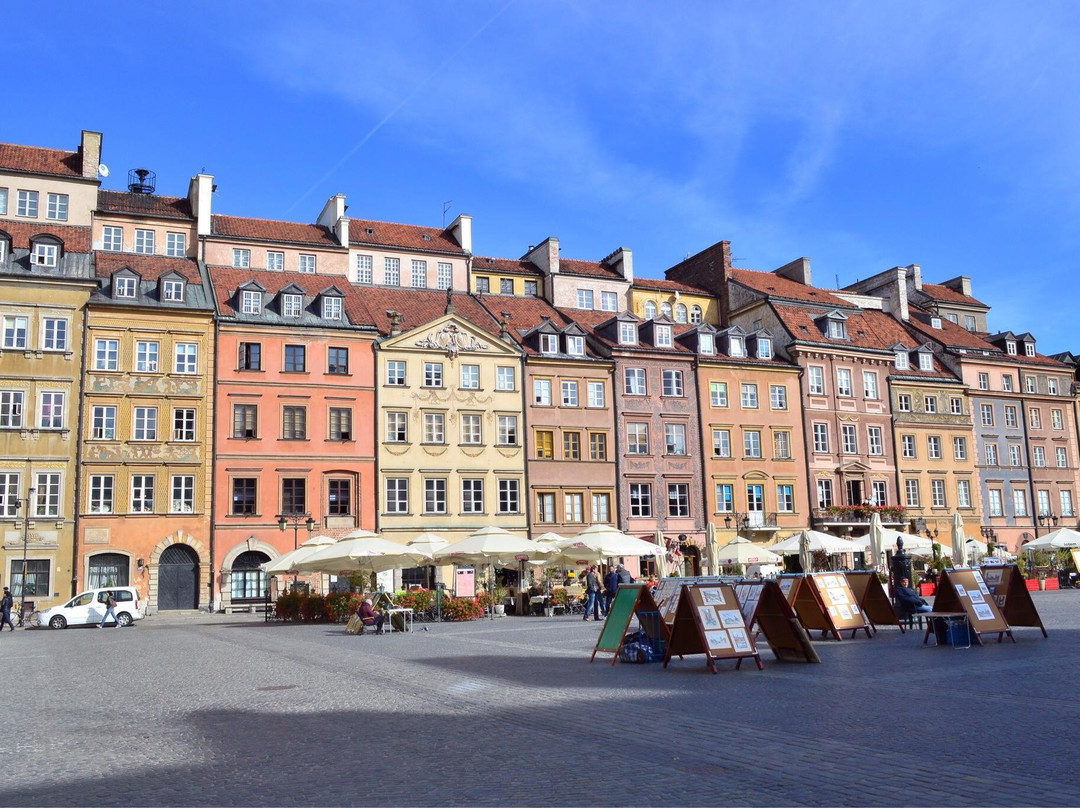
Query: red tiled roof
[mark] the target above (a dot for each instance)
(577, 266)
(590, 320)
(664, 285)
(226, 280)
(420, 306)
(936, 291)
(525, 314)
(39, 160)
(515, 266)
(406, 236)
(169, 207)
(76, 239)
(149, 267)
(272, 230)
(950, 334)
(776, 286)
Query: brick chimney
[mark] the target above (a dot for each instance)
(710, 269)
(90, 152)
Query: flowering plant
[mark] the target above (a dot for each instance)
(461, 609)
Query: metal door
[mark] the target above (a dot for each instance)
(178, 578)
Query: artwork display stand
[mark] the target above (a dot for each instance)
(631, 600)
(764, 605)
(873, 600)
(825, 602)
(668, 590)
(709, 621)
(1012, 597)
(963, 589)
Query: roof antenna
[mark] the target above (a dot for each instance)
(445, 207)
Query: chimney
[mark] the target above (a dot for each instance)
(200, 191)
(461, 231)
(545, 255)
(961, 284)
(333, 218)
(710, 269)
(90, 152)
(797, 270)
(395, 321)
(622, 261)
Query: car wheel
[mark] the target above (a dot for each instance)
(58, 621)
(124, 620)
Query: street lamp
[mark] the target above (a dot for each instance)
(295, 520)
(1046, 519)
(991, 539)
(25, 547)
(744, 521)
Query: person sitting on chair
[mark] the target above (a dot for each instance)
(909, 599)
(369, 616)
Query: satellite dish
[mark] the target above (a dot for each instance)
(103, 169)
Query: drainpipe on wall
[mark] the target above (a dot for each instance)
(76, 519)
(210, 455)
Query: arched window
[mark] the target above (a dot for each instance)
(665, 309)
(680, 313)
(695, 314)
(107, 569)
(248, 581)
(650, 310)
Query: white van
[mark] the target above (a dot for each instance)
(87, 608)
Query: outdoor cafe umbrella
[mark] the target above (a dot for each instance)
(740, 550)
(363, 554)
(491, 546)
(662, 568)
(959, 551)
(825, 542)
(877, 539)
(710, 549)
(915, 545)
(806, 560)
(429, 543)
(285, 563)
(604, 541)
(1061, 539)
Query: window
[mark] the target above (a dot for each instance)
(848, 439)
(392, 273)
(292, 305)
(183, 493)
(545, 507)
(725, 497)
(483, 284)
(695, 314)
(926, 361)
(706, 343)
(821, 437)
(142, 494)
(870, 389)
(573, 505)
(1007, 383)
(55, 336)
(1019, 502)
(1029, 349)
(26, 204)
(569, 393)
(877, 447)
(1066, 503)
(956, 406)
(1056, 420)
(434, 495)
(44, 254)
(434, 424)
(601, 508)
(542, 392)
(56, 207)
(672, 382)
(929, 404)
(584, 299)
(662, 336)
(785, 498)
(504, 378)
(397, 495)
(1062, 458)
(144, 241)
(778, 396)
(1035, 417)
(294, 423)
(782, 445)
(418, 276)
(250, 302)
(509, 496)
(718, 394)
(183, 424)
(1038, 456)
(240, 258)
(471, 429)
(637, 438)
(433, 374)
(125, 287)
(627, 334)
(51, 411)
(597, 446)
(994, 496)
(470, 377)
(835, 329)
(680, 313)
(575, 346)
(937, 493)
(363, 269)
(1010, 417)
(751, 443)
(903, 402)
(295, 359)
(145, 426)
(101, 493)
(634, 381)
(444, 276)
(933, 447)
(531, 288)
(341, 423)
(545, 444)
(901, 361)
(1052, 386)
(1030, 384)
(678, 499)
(472, 496)
(843, 382)
(250, 356)
(103, 423)
(185, 357)
(337, 361)
(650, 310)
(911, 491)
(106, 351)
(1010, 347)
(3, 201)
(736, 347)
(331, 308)
(824, 493)
(1014, 454)
(245, 420)
(15, 329)
(395, 373)
(879, 494)
(721, 442)
(596, 394)
(11, 409)
(339, 497)
(984, 381)
(963, 494)
(816, 380)
(675, 439)
(640, 499)
(37, 577)
(306, 263)
(986, 414)
(571, 445)
(508, 430)
(959, 445)
(907, 446)
(748, 395)
(991, 454)
(397, 427)
(764, 348)
(609, 301)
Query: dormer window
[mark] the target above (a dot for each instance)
(627, 333)
(764, 348)
(901, 361)
(575, 346)
(935, 322)
(549, 343)
(706, 344)
(291, 305)
(663, 336)
(125, 287)
(44, 253)
(650, 310)
(250, 302)
(1029, 349)
(5, 246)
(736, 347)
(835, 329)
(172, 291)
(926, 361)
(1010, 347)
(331, 308)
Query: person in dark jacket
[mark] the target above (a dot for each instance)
(611, 583)
(624, 575)
(593, 592)
(909, 599)
(369, 616)
(5, 610)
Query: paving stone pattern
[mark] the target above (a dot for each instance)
(229, 710)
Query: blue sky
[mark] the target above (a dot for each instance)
(862, 135)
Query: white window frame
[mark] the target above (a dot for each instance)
(241, 257)
(634, 382)
(815, 380)
(305, 263)
(596, 394)
(186, 358)
(585, 299)
(663, 336)
(628, 333)
(444, 277)
(144, 241)
(609, 301)
(56, 207)
(182, 493)
(843, 383)
(505, 378)
(331, 307)
(364, 268)
(671, 383)
(251, 302)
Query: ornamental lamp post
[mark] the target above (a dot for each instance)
(25, 548)
(295, 520)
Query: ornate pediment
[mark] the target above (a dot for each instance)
(452, 339)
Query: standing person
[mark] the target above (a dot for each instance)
(5, 610)
(110, 608)
(624, 575)
(593, 589)
(611, 583)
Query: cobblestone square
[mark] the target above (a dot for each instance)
(229, 710)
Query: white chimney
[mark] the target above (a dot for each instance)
(200, 191)
(461, 231)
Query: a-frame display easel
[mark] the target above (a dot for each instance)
(872, 599)
(764, 605)
(824, 601)
(708, 621)
(963, 589)
(1011, 595)
(631, 600)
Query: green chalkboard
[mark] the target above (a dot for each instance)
(618, 618)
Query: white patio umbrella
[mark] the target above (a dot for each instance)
(429, 543)
(959, 551)
(608, 542)
(711, 560)
(284, 563)
(1061, 539)
(915, 545)
(359, 533)
(877, 540)
(363, 554)
(817, 541)
(741, 550)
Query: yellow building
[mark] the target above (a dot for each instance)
(682, 302)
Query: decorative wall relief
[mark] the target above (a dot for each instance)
(451, 339)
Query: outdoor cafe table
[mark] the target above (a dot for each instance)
(406, 618)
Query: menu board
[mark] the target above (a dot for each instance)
(871, 596)
(965, 590)
(709, 621)
(1011, 595)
